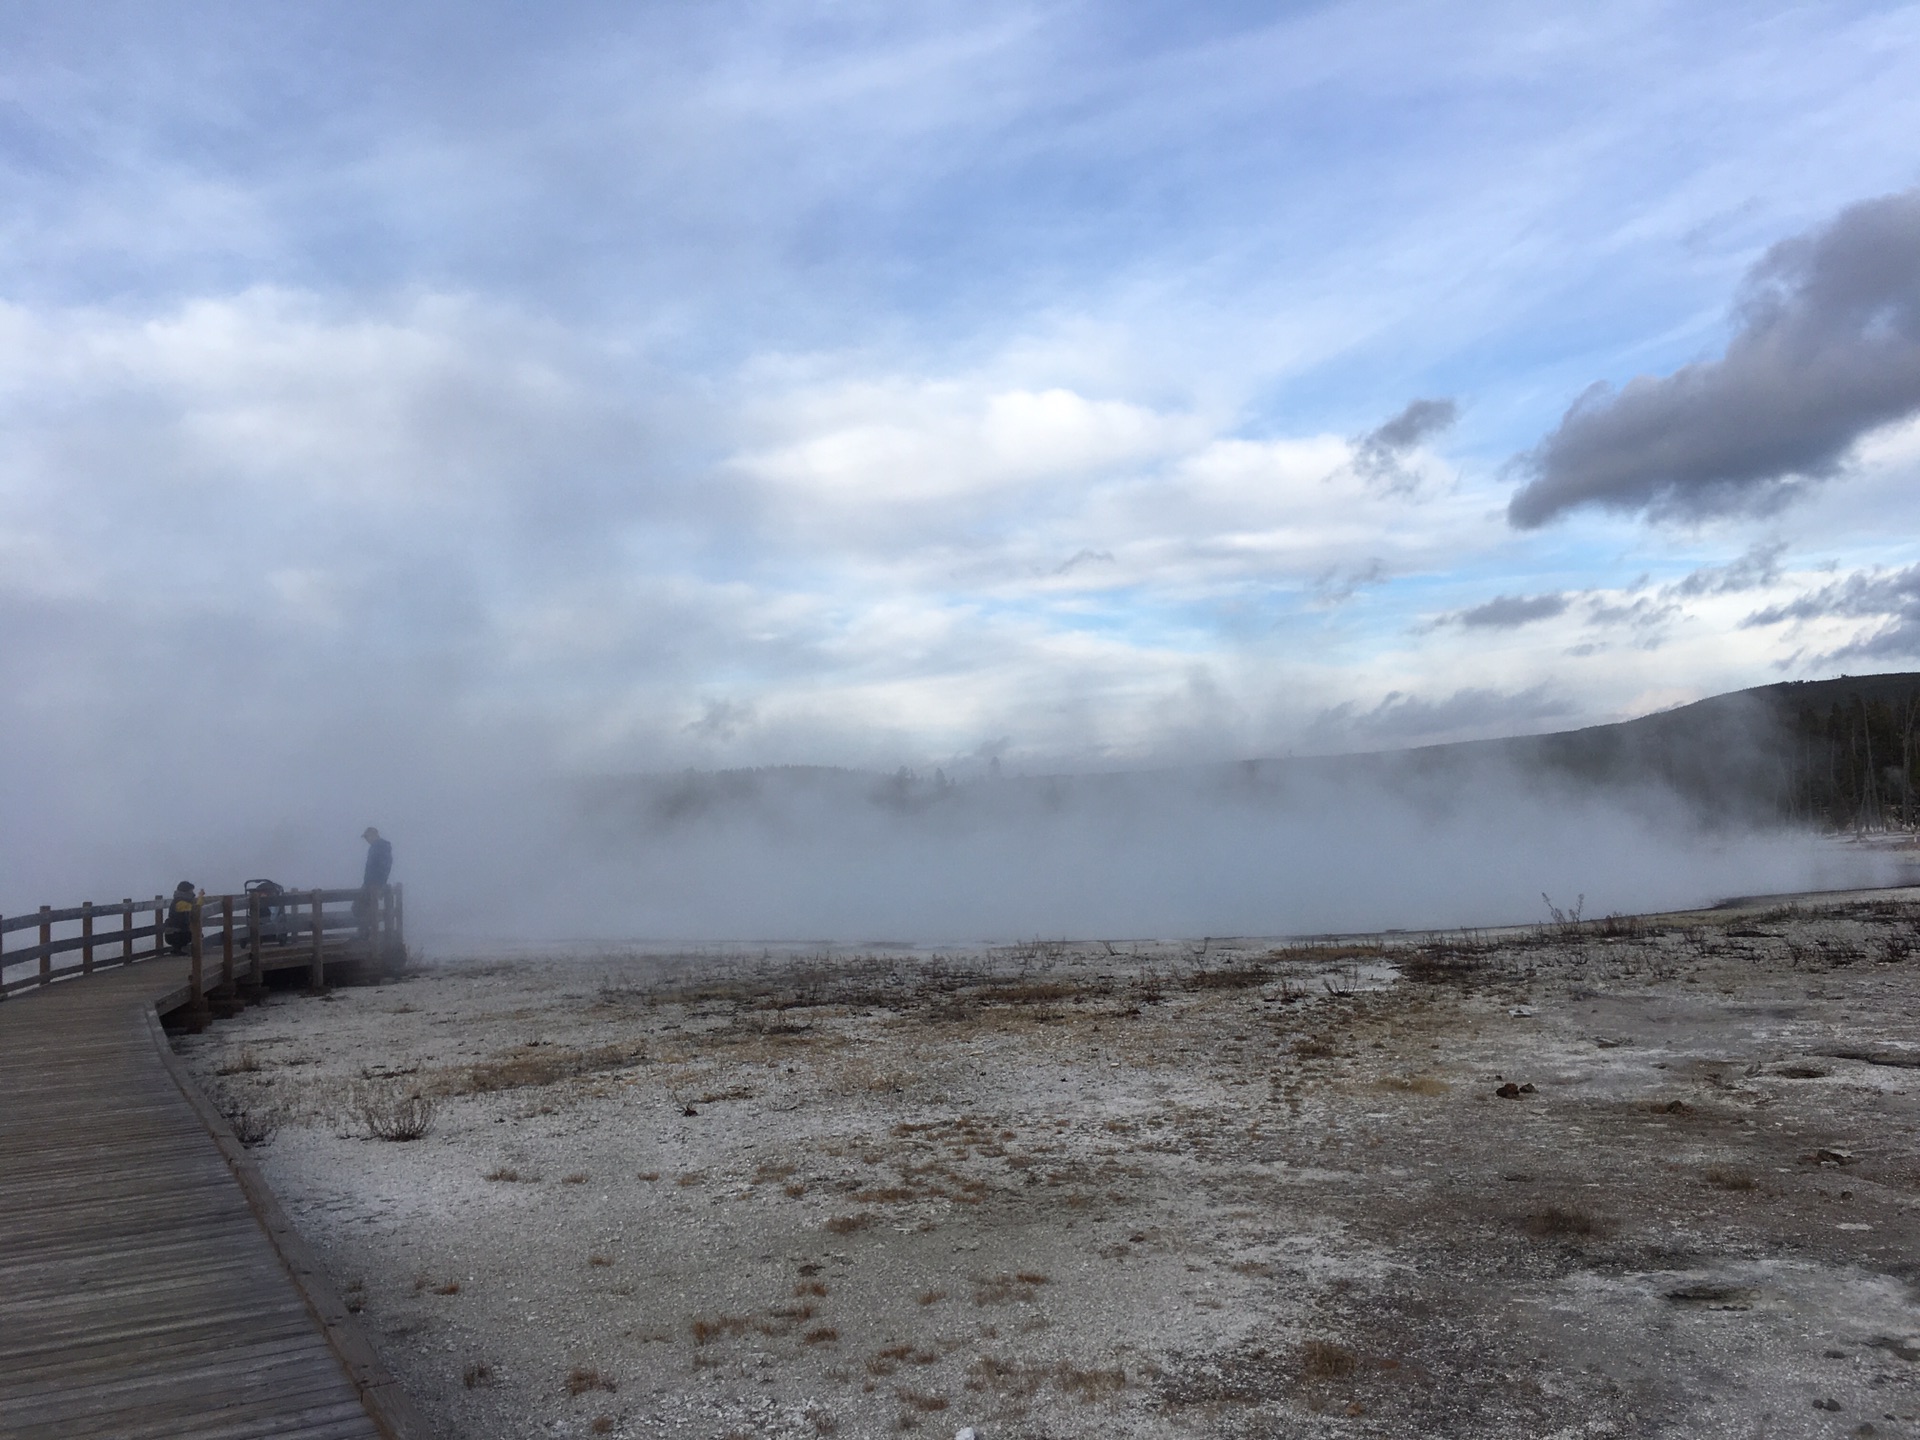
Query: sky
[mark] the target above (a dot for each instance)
(394, 395)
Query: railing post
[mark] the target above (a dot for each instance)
(86, 937)
(253, 947)
(226, 996)
(317, 980)
(159, 925)
(126, 931)
(197, 1013)
(3, 961)
(46, 939)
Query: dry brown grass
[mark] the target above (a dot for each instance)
(579, 1177)
(1089, 1385)
(534, 1065)
(823, 1335)
(602, 1425)
(932, 1297)
(847, 1224)
(1325, 1360)
(452, 1287)
(1563, 1222)
(507, 1174)
(583, 1378)
(808, 1287)
(602, 1261)
(708, 1328)
(477, 1375)
(999, 1289)
(1726, 1177)
(927, 1404)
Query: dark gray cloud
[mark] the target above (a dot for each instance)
(1378, 454)
(1827, 349)
(1759, 566)
(1506, 612)
(1891, 597)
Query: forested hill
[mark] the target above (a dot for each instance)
(1834, 753)
(1839, 753)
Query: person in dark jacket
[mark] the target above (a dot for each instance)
(374, 879)
(379, 859)
(179, 927)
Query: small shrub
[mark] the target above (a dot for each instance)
(602, 1425)
(808, 1287)
(476, 1376)
(932, 1297)
(452, 1287)
(583, 1378)
(599, 1260)
(1724, 1177)
(504, 1172)
(390, 1113)
(579, 1177)
(251, 1128)
(847, 1224)
(926, 1404)
(825, 1335)
(245, 1063)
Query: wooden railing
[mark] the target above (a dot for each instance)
(240, 936)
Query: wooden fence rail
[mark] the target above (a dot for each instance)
(270, 932)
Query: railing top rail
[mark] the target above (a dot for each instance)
(71, 913)
(210, 904)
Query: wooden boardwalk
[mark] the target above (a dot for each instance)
(147, 1286)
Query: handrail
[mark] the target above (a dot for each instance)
(72, 912)
(237, 924)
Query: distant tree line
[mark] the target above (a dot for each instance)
(1852, 763)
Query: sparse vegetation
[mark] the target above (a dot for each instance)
(1326, 1360)
(583, 1378)
(389, 1112)
(1556, 1222)
(254, 1127)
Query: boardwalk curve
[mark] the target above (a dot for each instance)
(149, 1284)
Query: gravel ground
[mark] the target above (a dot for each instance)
(1650, 1177)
